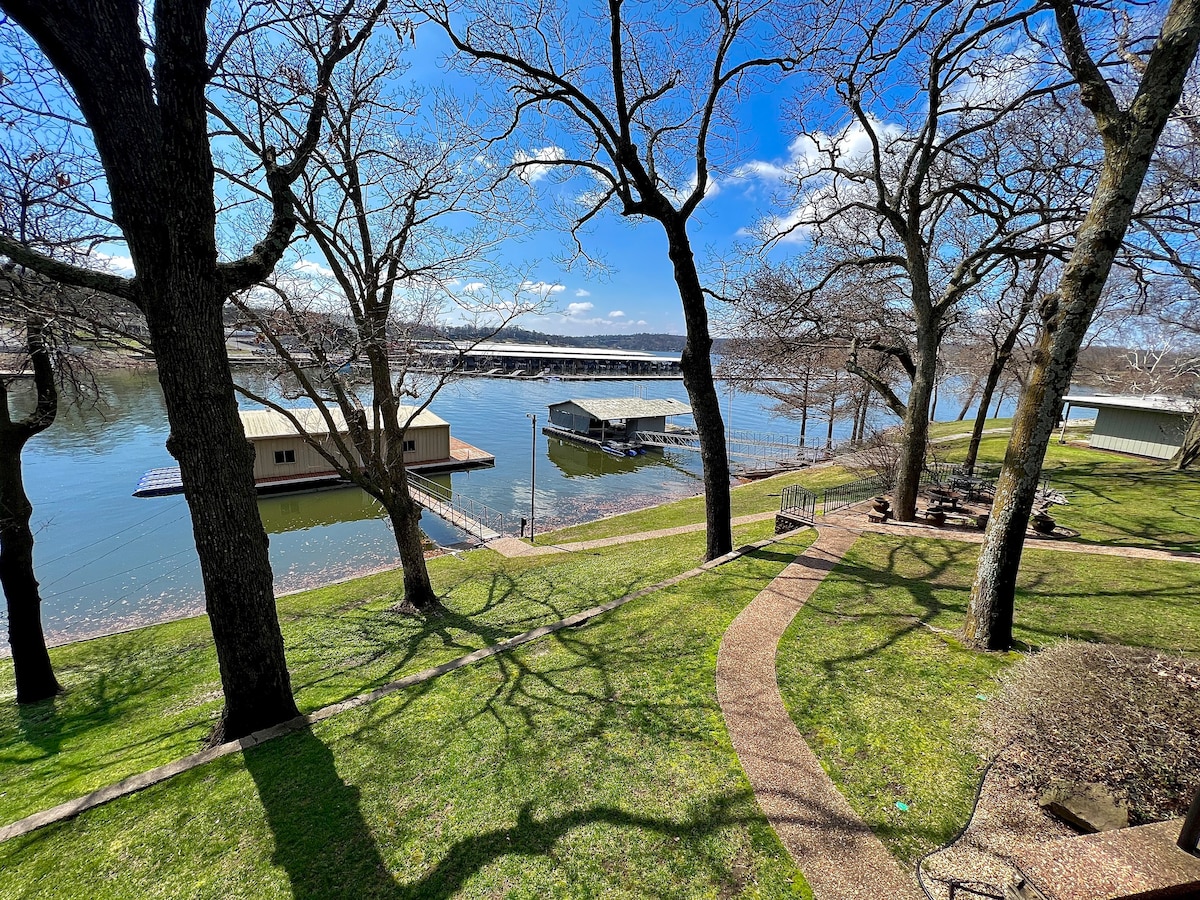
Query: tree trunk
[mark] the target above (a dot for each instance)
(405, 516)
(403, 511)
(217, 466)
(970, 398)
(995, 370)
(804, 409)
(1129, 142)
(32, 669)
(696, 365)
(916, 429)
(864, 408)
(1189, 451)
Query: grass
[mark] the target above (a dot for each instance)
(890, 705)
(754, 497)
(143, 698)
(594, 763)
(1113, 498)
(945, 429)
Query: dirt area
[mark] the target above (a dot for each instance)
(1123, 718)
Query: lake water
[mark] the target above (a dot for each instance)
(107, 560)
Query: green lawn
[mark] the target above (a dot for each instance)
(890, 705)
(1114, 499)
(753, 497)
(594, 763)
(140, 699)
(945, 429)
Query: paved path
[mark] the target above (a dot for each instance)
(840, 856)
(975, 536)
(511, 547)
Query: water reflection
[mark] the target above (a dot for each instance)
(299, 512)
(576, 461)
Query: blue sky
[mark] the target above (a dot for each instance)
(637, 293)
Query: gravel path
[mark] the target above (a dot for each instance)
(840, 856)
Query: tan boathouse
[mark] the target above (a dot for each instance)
(283, 456)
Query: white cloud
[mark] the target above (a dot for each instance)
(530, 170)
(308, 267)
(582, 293)
(616, 314)
(544, 288)
(111, 262)
(808, 155)
(474, 286)
(641, 322)
(574, 309)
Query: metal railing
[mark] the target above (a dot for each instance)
(848, 494)
(755, 445)
(799, 503)
(461, 511)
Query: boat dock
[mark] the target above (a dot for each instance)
(481, 522)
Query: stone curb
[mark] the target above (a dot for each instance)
(143, 780)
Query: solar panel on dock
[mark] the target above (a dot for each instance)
(160, 483)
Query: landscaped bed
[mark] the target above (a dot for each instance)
(592, 763)
(889, 699)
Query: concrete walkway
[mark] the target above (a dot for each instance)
(858, 520)
(513, 547)
(840, 856)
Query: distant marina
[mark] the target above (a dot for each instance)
(500, 359)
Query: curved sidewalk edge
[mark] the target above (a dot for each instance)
(840, 856)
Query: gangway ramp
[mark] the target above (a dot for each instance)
(464, 513)
(753, 445)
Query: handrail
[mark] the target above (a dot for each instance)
(458, 509)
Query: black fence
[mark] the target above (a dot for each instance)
(853, 492)
(799, 503)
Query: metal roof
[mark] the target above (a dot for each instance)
(1151, 402)
(261, 424)
(547, 351)
(608, 408)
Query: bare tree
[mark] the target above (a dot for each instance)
(935, 170)
(1130, 132)
(139, 78)
(32, 668)
(997, 326)
(402, 207)
(645, 101)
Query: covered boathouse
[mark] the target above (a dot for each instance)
(607, 421)
(284, 457)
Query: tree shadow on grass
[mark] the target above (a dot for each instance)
(321, 838)
(531, 836)
(41, 725)
(325, 845)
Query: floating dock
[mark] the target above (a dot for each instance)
(160, 483)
